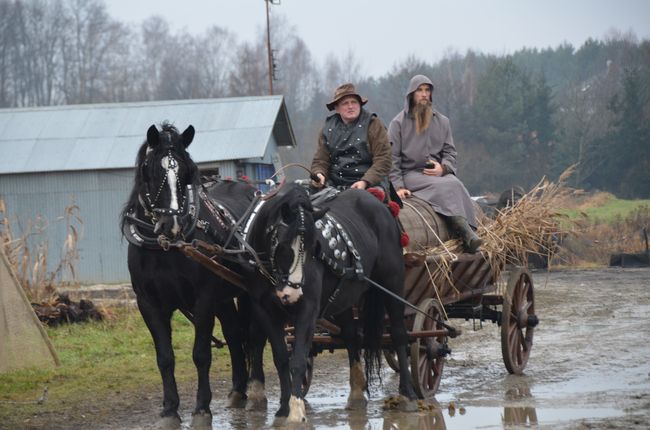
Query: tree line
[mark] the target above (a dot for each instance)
(515, 118)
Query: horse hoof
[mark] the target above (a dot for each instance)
(297, 412)
(201, 421)
(168, 423)
(256, 397)
(355, 404)
(236, 400)
(406, 405)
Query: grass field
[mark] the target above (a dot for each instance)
(100, 359)
(606, 225)
(604, 208)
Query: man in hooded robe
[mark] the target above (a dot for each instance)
(424, 161)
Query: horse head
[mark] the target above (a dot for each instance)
(165, 179)
(287, 234)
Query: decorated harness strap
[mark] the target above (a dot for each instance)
(222, 216)
(337, 249)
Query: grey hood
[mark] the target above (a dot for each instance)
(416, 81)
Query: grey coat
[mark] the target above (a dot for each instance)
(410, 151)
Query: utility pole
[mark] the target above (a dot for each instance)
(268, 43)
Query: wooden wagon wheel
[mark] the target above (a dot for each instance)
(309, 374)
(428, 354)
(518, 320)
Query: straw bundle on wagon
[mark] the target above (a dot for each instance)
(530, 225)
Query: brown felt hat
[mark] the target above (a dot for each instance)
(344, 91)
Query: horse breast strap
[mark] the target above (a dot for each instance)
(337, 250)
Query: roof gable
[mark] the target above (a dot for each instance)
(107, 136)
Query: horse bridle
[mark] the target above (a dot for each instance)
(281, 280)
(149, 204)
(140, 232)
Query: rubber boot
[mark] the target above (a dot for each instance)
(471, 241)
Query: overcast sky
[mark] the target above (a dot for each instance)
(383, 32)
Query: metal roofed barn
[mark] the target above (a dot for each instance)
(85, 154)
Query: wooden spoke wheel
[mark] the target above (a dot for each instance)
(518, 320)
(309, 374)
(391, 359)
(428, 354)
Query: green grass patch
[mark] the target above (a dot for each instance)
(613, 210)
(100, 359)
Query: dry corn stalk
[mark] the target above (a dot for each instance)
(30, 265)
(529, 226)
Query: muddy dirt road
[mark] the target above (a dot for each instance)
(589, 369)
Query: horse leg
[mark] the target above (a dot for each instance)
(256, 390)
(274, 328)
(358, 384)
(159, 325)
(304, 333)
(203, 313)
(233, 332)
(399, 339)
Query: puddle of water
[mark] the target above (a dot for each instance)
(487, 418)
(593, 382)
(473, 417)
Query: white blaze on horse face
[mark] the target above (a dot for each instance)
(171, 166)
(290, 295)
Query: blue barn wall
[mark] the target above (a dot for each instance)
(57, 156)
(99, 196)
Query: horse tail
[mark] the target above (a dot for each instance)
(373, 330)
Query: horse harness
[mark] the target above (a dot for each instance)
(140, 232)
(337, 251)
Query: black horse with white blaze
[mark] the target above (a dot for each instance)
(317, 263)
(168, 201)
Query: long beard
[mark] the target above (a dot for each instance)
(422, 112)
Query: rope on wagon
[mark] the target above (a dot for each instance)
(453, 256)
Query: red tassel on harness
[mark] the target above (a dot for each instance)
(377, 193)
(394, 208)
(404, 240)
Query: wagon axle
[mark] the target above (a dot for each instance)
(532, 321)
(437, 350)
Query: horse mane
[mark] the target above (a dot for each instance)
(290, 197)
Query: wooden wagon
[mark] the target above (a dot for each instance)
(445, 287)
(442, 287)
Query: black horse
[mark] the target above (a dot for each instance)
(168, 202)
(316, 264)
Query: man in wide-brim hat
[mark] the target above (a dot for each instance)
(353, 149)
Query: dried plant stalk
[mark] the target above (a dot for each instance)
(30, 263)
(532, 225)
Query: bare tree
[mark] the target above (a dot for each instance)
(215, 61)
(249, 76)
(90, 48)
(6, 46)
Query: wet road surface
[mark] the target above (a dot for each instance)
(589, 368)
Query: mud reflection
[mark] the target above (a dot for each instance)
(514, 415)
(518, 415)
(430, 420)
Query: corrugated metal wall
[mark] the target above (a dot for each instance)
(99, 195)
